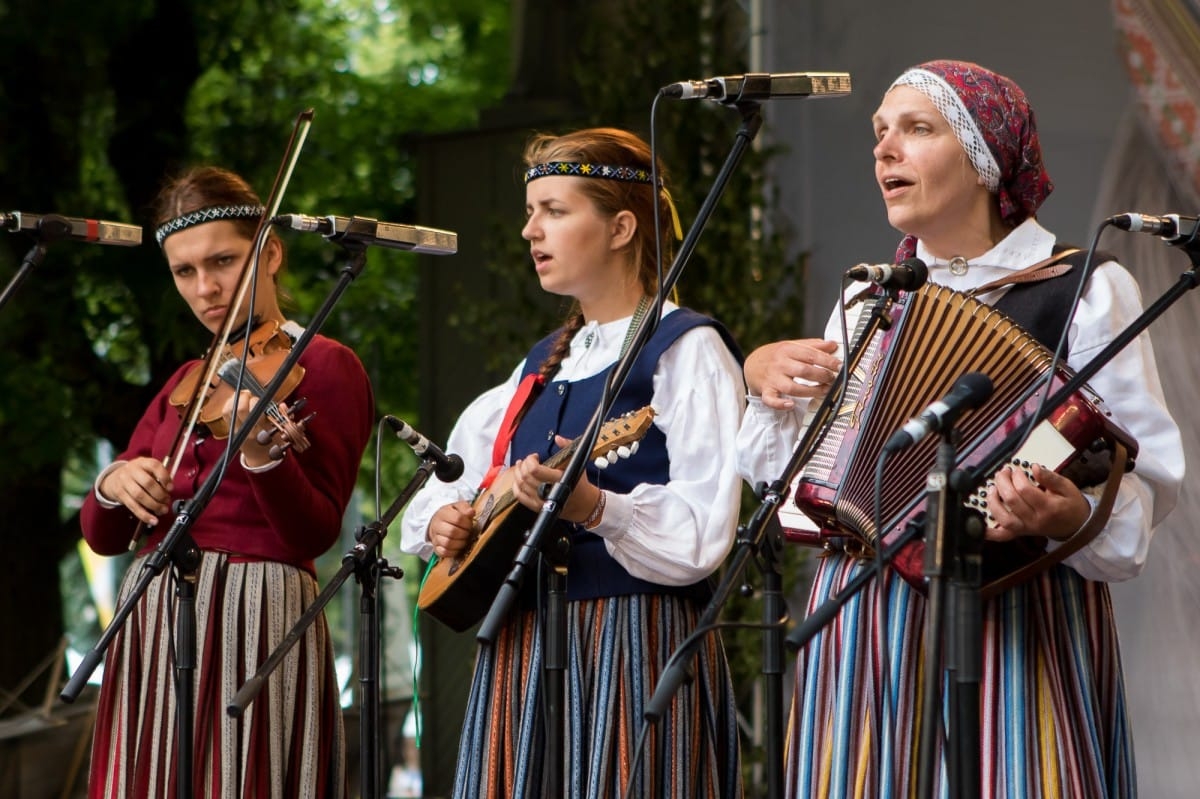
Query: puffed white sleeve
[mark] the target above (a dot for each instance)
(472, 439)
(679, 532)
(1130, 387)
(767, 437)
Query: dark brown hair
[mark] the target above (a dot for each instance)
(209, 187)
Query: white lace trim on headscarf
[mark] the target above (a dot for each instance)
(951, 106)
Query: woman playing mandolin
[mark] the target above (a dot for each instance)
(645, 533)
(278, 507)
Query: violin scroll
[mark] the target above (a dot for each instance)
(290, 431)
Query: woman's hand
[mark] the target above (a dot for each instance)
(1048, 505)
(143, 485)
(529, 475)
(254, 453)
(451, 528)
(783, 370)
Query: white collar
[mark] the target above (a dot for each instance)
(1026, 244)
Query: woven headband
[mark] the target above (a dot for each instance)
(211, 214)
(629, 174)
(550, 168)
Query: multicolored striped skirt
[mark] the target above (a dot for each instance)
(617, 650)
(1052, 696)
(289, 741)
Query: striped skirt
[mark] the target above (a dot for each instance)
(617, 649)
(289, 740)
(1052, 697)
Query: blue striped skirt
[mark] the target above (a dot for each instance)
(617, 650)
(1053, 719)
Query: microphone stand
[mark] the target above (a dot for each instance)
(178, 547)
(365, 562)
(964, 649)
(52, 228)
(953, 551)
(559, 492)
(753, 538)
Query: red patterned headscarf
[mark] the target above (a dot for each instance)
(994, 124)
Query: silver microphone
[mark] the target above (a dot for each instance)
(761, 86)
(448, 468)
(969, 392)
(1170, 226)
(53, 227)
(365, 230)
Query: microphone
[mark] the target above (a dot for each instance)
(908, 275)
(448, 468)
(969, 391)
(761, 86)
(1171, 227)
(53, 227)
(364, 230)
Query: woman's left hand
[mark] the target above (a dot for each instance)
(255, 454)
(1049, 505)
(529, 475)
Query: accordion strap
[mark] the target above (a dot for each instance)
(1053, 266)
(1082, 536)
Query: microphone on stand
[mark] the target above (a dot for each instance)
(53, 227)
(1174, 228)
(757, 86)
(908, 275)
(448, 468)
(365, 230)
(969, 392)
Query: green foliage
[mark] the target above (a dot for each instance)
(127, 93)
(113, 98)
(738, 266)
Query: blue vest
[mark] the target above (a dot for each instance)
(565, 408)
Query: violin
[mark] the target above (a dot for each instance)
(264, 352)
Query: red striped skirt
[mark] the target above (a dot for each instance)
(288, 743)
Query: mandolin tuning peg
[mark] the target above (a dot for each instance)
(612, 456)
(633, 448)
(624, 452)
(601, 462)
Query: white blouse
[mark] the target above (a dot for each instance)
(1129, 386)
(672, 534)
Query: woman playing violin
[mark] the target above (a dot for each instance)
(276, 509)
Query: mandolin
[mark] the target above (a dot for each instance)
(458, 591)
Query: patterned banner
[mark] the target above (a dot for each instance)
(1160, 46)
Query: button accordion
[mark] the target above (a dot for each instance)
(935, 336)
